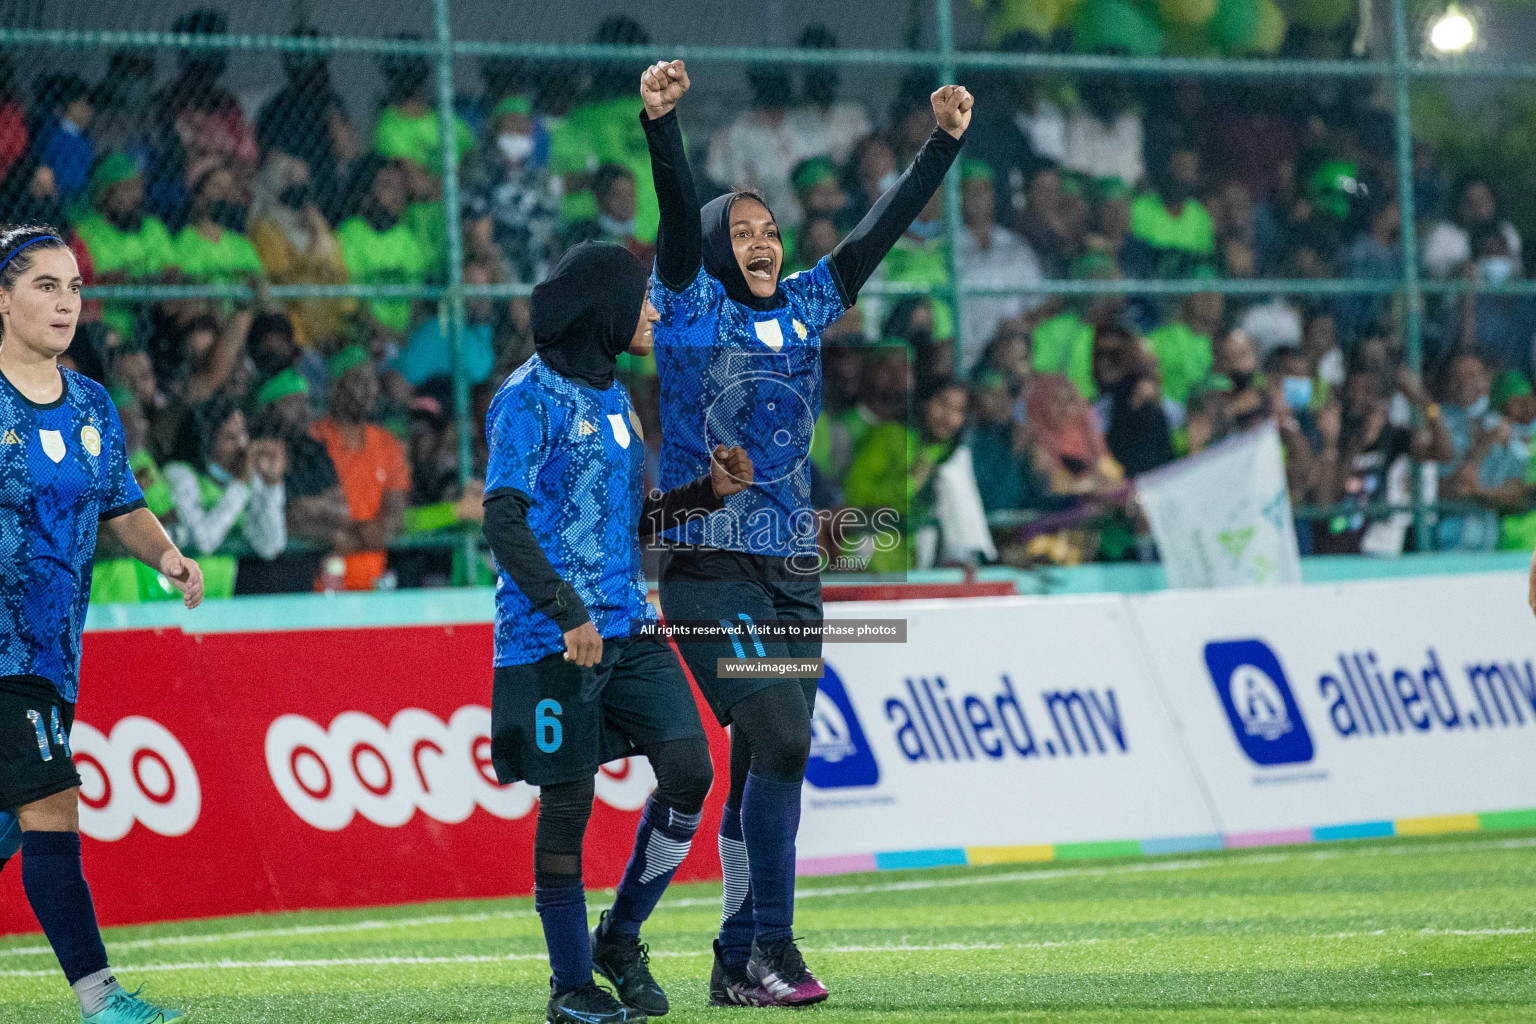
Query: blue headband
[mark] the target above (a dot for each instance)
(23, 245)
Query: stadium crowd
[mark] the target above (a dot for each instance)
(305, 440)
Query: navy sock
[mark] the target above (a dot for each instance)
(55, 885)
(770, 818)
(736, 903)
(661, 843)
(562, 905)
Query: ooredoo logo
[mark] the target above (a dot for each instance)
(1258, 700)
(139, 773)
(417, 762)
(840, 755)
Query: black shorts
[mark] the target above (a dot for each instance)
(708, 584)
(553, 722)
(35, 759)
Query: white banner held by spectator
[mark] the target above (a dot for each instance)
(1223, 518)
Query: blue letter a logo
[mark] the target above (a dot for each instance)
(840, 755)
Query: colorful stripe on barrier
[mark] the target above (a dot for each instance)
(977, 855)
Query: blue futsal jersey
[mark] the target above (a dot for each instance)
(577, 453)
(63, 468)
(734, 376)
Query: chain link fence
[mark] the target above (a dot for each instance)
(262, 193)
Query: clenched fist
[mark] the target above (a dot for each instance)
(662, 85)
(730, 470)
(952, 108)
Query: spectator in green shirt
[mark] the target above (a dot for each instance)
(921, 258)
(606, 129)
(126, 245)
(1173, 233)
(377, 244)
(408, 127)
(213, 247)
(1182, 347)
(1064, 343)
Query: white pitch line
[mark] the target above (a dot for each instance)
(277, 963)
(815, 892)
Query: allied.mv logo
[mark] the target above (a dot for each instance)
(840, 755)
(1258, 701)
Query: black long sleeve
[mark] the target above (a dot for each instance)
(680, 238)
(857, 256)
(518, 553)
(662, 512)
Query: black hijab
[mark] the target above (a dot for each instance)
(720, 259)
(585, 313)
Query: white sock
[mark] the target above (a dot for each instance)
(94, 990)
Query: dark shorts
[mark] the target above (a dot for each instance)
(35, 759)
(708, 584)
(553, 722)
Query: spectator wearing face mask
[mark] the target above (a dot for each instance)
(1487, 466)
(127, 246)
(510, 195)
(213, 247)
(297, 246)
(1501, 328)
(377, 245)
(306, 121)
(613, 187)
(870, 174)
(1449, 244)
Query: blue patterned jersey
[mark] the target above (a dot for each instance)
(63, 468)
(577, 453)
(734, 376)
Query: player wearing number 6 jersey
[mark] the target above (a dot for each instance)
(63, 470)
(738, 353)
(564, 512)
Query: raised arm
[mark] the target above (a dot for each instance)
(857, 256)
(679, 239)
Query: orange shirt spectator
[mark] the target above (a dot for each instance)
(371, 465)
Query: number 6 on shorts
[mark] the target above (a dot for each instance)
(546, 725)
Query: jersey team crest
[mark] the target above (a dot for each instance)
(53, 444)
(91, 438)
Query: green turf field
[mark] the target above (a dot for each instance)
(1434, 929)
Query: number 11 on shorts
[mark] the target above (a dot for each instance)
(546, 725)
